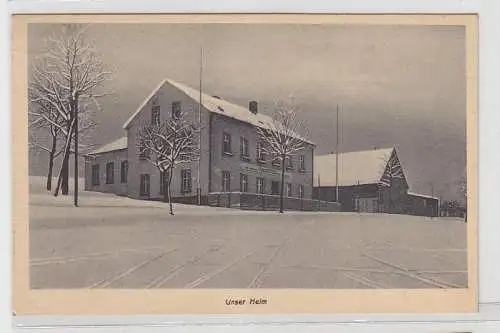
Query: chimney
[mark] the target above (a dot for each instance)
(253, 106)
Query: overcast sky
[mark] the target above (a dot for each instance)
(395, 85)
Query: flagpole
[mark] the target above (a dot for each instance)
(198, 189)
(337, 159)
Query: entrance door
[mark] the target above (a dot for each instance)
(366, 205)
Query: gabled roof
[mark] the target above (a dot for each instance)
(215, 105)
(118, 144)
(422, 195)
(355, 168)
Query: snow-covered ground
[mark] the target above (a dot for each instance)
(117, 242)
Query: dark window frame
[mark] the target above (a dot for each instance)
(226, 146)
(244, 149)
(261, 154)
(155, 114)
(186, 181)
(143, 153)
(163, 180)
(276, 162)
(110, 173)
(176, 109)
(123, 172)
(243, 182)
(226, 181)
(289, 162)
(260, 185)
(145, 185)
(275, 187)
(301, 191)
(289, 190)
(96, 181)
(302, 163)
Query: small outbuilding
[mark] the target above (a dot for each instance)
(372, 181)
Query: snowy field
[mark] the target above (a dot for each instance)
(116, 242)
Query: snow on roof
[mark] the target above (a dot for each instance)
(118, 144)
(355, 168)
(422, 195)
(216, 105)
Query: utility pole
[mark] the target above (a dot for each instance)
(198, 188)
(337, 159)
(319, 188)
(75, 111)
(432, 196)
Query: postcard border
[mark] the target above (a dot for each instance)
(205, 301)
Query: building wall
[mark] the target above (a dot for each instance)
(117, 186)
(166, 95)
(422, 206)
(235, 165)
(393, 200)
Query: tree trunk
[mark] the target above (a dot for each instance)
(61, 172)
(169, 185)
(67, 149)
(282, 184)
(65, 164)
(165, 187)
(51, 163)
(65, 175)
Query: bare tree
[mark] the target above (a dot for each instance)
(68, 75)
(167, 145)
(283, 137)
(393, 171)
(37, 126)
(44, 119)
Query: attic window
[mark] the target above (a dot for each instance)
(154, 100)
(220, 108)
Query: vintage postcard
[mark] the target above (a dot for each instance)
(227, 164)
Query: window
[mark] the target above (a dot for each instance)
(163, 181)
(95, 175)
(143, 151)
(176, 109)
(243, 148)
(124, 171)
(261, 185)
(226, 144)
(275, 188)
(302, 162)
(301, 191)
(261, 155)
(276, 161)
(226, 181)
(186, 181)
(155, 115)
(110, 173)
(145, 184)
(289, 189)
(289, 162)
(243, 183)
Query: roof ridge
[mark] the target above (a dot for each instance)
(213, 105)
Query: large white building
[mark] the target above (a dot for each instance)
(230, 159)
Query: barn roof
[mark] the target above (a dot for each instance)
(355, 168)
(426, 196)
(118, 144)
(214, 105)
